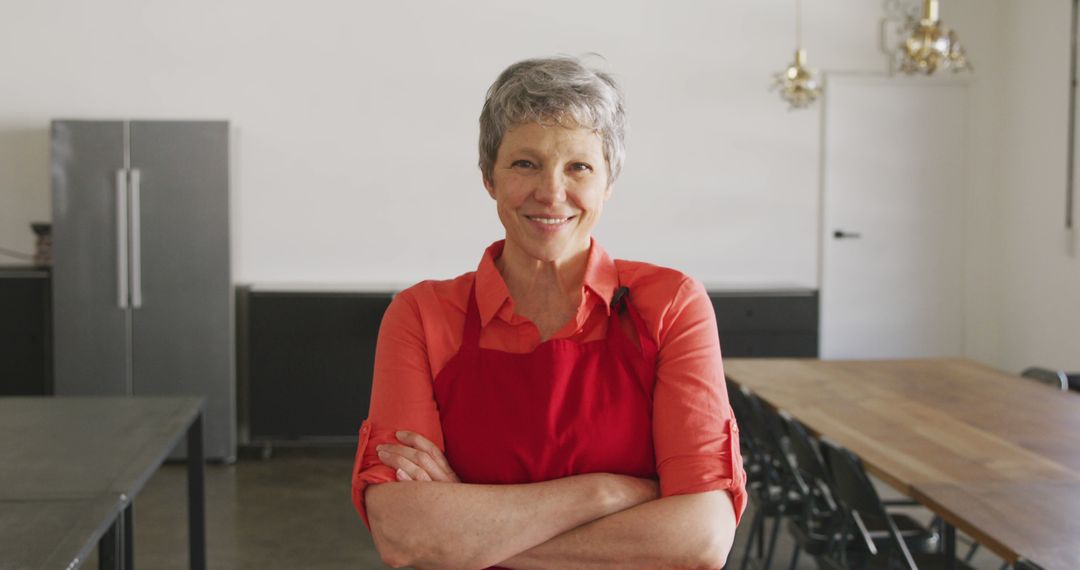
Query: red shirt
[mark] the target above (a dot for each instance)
(694, 431)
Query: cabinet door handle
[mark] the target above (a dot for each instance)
(121, 239)
(136, 239)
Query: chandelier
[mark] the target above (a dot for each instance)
(798, 86)
(929, 45)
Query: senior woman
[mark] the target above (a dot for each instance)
(555, 408)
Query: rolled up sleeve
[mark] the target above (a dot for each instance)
(694, 430)
(402, 396)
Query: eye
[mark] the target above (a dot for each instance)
(522, 164)
(580, 167)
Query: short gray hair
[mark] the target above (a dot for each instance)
(559, 91)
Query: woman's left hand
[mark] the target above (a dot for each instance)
(418, 459)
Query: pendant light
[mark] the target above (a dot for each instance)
(929, 45)
(798, 86)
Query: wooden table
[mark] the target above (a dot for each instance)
(996, 455)
(70, 469)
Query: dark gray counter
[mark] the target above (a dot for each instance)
(25, 331)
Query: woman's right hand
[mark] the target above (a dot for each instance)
(417, 459)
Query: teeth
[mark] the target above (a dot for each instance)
(550, 221)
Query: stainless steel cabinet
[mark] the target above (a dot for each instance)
(142, 286)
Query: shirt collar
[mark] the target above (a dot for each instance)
(601, 277)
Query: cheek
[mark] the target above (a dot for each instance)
(591, 202)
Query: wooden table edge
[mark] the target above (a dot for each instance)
(960, 523)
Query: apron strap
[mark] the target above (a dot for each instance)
(470, 338)
(620, 302)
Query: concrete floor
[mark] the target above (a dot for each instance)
(290, 511)
(293, 511)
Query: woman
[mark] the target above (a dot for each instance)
(555, 408)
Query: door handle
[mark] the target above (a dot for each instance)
(136, 239)
(121, 239)
(841, 234)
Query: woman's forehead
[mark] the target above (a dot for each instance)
(540, 136)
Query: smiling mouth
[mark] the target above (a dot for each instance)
(550, 221)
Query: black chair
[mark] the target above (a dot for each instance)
(740, 406)
(1056, 378)
(769, 480)
(1024, 564)
(863, 510)
(818, 531)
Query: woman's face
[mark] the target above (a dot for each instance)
(549, 184)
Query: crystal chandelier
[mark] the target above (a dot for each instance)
(798, 85)
(929, 45)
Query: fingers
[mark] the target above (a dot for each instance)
(418, 459)
(405, 470)
(415, 458)
(425, 445)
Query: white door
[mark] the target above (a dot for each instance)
(894, 182)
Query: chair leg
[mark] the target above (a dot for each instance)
(795, 557)
(754, 524)
(772, 541)
(971, 552)
(761, 537)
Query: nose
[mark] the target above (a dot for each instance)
(551, 187)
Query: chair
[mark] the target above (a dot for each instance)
(1024, 564)
(769, 481)
(817, 531)
(863, 510)
(740, 406)
(1056, 378)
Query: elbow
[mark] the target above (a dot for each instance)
(714, 557)
(397, 553)
(709, 549)
(714, 549)
(391, 539)
(392, 552)
(705, 557)
(408, 548)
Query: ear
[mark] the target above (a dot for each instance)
(607, 191)
(489, 185)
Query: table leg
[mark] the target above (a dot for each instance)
(109, 547)
(950, 545)
(196, 496)
(129, 536)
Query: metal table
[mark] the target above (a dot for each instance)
(71, 467)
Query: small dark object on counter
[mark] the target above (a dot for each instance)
(43, 247)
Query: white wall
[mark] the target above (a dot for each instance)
(355, 133)
(355, 122)
(1023, 258)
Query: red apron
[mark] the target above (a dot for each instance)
(564, 409)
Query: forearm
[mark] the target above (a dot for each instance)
(454, 525)
(682, 531)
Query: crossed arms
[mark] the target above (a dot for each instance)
(430, 520)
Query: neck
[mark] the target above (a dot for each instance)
(531, 279)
